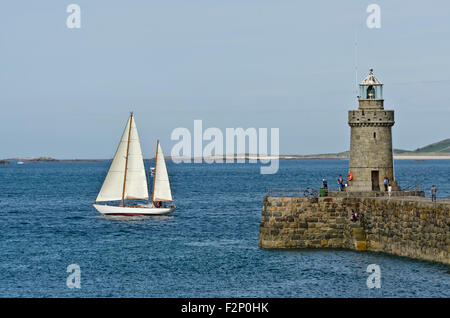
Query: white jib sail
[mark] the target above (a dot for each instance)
(136, 181)
(161, 186)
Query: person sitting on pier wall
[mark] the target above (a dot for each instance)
(324, 183)
(386, 183)
(433, 191)
(354, 216)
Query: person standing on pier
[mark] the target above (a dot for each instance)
(433, 191)
(386, 183)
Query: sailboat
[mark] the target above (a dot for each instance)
(126, 180)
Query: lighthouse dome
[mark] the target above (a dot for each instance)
(371, 87)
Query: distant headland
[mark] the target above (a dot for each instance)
(437, 150)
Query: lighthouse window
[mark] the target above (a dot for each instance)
(374, 135)
(370, 92)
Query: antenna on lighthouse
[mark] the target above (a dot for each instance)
(356, 62)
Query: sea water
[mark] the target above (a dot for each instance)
(207, 248)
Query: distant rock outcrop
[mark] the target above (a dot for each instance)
(4, 162)
(42, 159)
(50, 159)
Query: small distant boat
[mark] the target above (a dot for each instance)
(126, 180)
(20, 162)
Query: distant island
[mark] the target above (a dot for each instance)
(437, 150)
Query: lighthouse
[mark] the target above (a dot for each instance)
(371, 154)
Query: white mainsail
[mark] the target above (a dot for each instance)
(161, 185)
(135, 182)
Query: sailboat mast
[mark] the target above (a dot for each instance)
(154, 174)
(126, 160)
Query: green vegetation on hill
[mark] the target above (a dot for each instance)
(440, 147)
(437, 147)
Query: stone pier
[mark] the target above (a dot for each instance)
(413, 227)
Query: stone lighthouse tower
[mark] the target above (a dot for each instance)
(371, 157)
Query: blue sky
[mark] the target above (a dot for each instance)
(67, 93)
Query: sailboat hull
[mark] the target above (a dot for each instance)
(131, 211)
